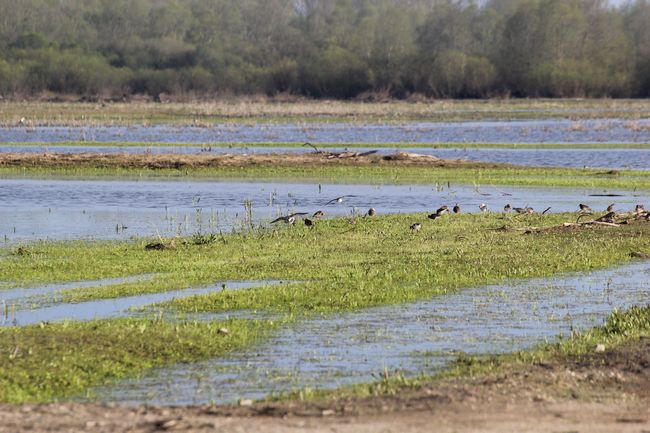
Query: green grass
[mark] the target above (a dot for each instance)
(327, 145)
(333, 267)
(504, 175)
(52, 361)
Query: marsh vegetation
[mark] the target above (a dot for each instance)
(384, 263)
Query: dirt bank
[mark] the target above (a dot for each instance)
(600, 392)
(181, 161)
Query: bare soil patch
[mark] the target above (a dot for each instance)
(598, 392)
(181, 161)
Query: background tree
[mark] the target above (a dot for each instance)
(326, 48)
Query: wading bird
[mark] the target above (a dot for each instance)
(483, 207)
(585, 209)
(524, 210)
(289, 219)
(442, 210)
(338, 199)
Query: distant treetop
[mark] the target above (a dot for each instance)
(326, 48)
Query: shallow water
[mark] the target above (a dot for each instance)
(414, 338)
(577, 158)
(21, 294)
(21, 314)
(520, 131)
(32, 209)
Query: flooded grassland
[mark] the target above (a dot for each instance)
(140, 264)
(330, 268)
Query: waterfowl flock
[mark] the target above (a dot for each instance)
(583, 209)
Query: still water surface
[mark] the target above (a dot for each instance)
(521, 131)
(33, 209)
(343, 349)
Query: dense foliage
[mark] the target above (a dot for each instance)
(325, 48)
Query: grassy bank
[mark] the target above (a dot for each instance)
(50, 361)
(249, 111)
(288, 171)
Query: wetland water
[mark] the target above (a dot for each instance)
(343, 349)
(521, 131)
(613, 158)
(26, 306)
(33, 209)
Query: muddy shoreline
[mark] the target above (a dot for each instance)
(182, 161)
(601, 391)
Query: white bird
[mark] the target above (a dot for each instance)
(483, 207)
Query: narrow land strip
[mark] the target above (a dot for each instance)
(352, 167)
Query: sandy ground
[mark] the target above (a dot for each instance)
(181, 161)
(599, 392)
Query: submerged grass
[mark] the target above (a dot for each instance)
(50, 361)
(496, 175)
(621, 328)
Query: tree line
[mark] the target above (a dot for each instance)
(326, 48)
